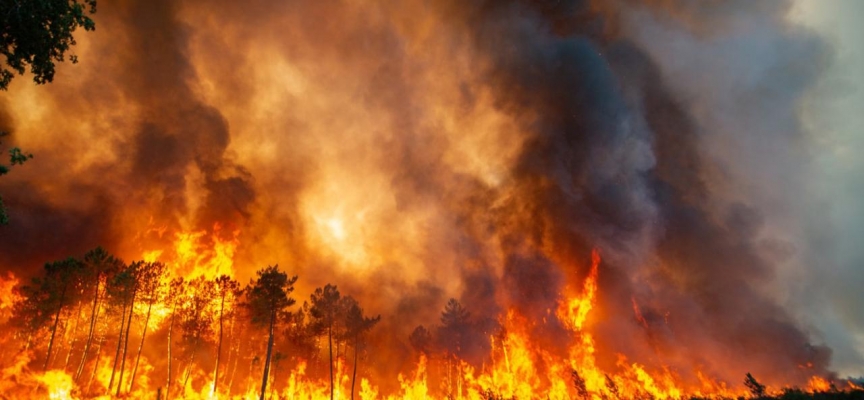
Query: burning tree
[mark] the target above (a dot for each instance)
(267, 299)
(122, 292)
(197, 314)
(327, 311)
(452, 334)
(227, 292)
(151, 291)
(44, 301)
(174, 300)
(356, 324)
(98, 266)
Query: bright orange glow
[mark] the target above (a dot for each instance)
(818, 384)
(199, 253)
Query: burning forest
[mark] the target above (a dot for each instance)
(514, 199)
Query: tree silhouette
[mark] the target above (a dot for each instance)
(150, 289)
(39, 33)
(122, 290)
(455, 322)
(356, 324)
(60, 284)
(267, 301)
(421, 340)
(197, 316)
(16, 157)
(173, 299)
(756, 389)
(98, 266)
(325, 311)
(227, 290)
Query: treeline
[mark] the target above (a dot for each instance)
(97, 314)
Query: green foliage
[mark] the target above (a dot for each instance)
(16, 157)
(38, 34)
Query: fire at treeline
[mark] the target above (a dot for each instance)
(98, 327)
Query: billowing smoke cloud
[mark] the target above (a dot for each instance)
(411, 152)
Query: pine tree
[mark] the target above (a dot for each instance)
(267, 301)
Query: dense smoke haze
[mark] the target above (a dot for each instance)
(415, 151)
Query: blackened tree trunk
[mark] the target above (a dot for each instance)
(54, 327)
(170, 331)
(330, 341)
(126, 344)
(140, 347)
(219, 346)
(96, 364)
(269, 353)
(119, 346)
(72, 338)
(354, 373)
(94, 312)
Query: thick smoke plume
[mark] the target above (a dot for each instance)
(413, 151)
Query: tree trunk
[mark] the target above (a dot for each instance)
(119, 346)
(330, 341)
(354, 374)
(96, 365)
(170, 330)
(269, 352)
(219, 346)
(54, 328)
(231, 361)
(72, 340)
(190, 364)
(140, 346)
(93, 315)
(236, 359)
(126, 344)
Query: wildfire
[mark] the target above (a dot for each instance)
(517, 366)
(207, 253)
(819, 384)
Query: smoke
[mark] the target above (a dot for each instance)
(411, 152)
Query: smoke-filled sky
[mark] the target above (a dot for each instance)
(412, 151)
(831, 112)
